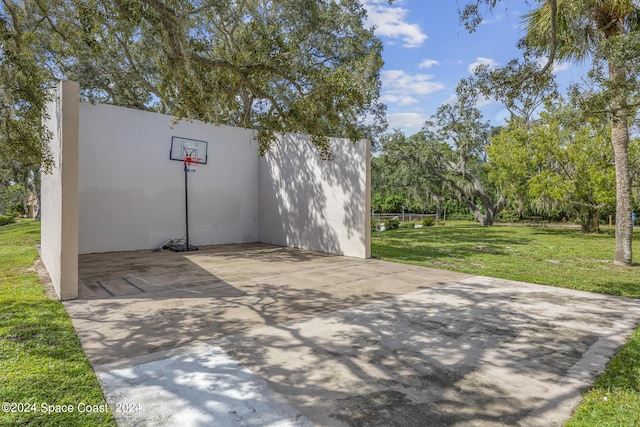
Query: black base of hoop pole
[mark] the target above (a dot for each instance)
(187, 247)
(183, 248)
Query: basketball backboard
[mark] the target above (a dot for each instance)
(185, 147)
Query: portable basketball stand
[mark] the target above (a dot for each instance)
(189, 152)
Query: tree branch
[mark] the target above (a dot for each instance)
(15, 20)
(554, 30)
(151, 88)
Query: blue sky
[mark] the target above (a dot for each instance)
(427, 51)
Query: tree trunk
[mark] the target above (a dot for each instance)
(26, 196)
(490, 216)
(479, 216)
(37, 214)
(620, 142)
(489, 211)
(589, 219)
(37, 187)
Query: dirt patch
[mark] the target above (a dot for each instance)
(45, 279)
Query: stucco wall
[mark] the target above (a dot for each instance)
(132, 195)
(114, 188)
(309, 203)
(59, 193)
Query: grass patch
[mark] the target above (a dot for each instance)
(552, 256)
(615, 398)
(41, 361)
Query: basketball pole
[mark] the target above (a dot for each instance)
(187, 247)
(185, 150)
(186, 204)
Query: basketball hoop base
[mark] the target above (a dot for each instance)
(182, 248)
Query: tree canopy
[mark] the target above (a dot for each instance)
(562, 160)
(448, 157)
(307, 66)
(23, 88)
(607, 32)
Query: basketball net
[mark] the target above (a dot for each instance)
(190, 163)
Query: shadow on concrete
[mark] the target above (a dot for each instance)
(141, 302)
(355, 342)
(404, 363)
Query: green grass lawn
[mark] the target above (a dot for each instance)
(552, 256)
(41, 361)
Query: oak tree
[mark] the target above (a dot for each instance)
(309, 66)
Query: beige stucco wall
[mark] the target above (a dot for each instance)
(313, 204)
(59, 210)
(114, 188)
(132, 194)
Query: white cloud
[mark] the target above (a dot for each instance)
(398, 82)
(484, 101)
(452, 99)
(406, 120)
(428, 63)
(400, 100)
(481, 102)
(390, 21)
(492, 20)
(502, 117)
(491, 63)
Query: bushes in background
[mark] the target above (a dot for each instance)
(6, 219)
(392, 224)
(428, 222)
(508, 215)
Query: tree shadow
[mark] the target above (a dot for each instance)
(451, 351)
(140, 302)
(406, 362)
(460, 242)
(315, 204)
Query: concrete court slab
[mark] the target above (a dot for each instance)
(283, 337)
(140, 302)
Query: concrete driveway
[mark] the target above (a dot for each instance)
(241, 335)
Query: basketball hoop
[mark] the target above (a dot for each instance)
(191, 153)
(190, 163)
